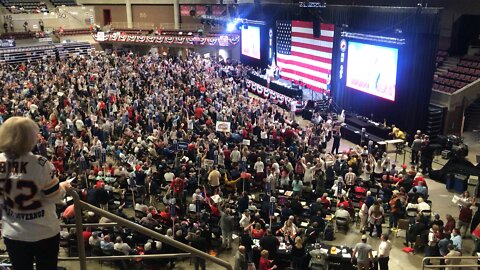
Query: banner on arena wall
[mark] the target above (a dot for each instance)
(223, 126)
(5, 43)
(222, 41)
(185, 10)
(268, 93)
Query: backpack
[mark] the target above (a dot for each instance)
(328, 234)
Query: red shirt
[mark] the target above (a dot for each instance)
(178, 185)
(198, 112)
(418, 180)
(465, 214)
(214, 210)
(227, 153)
(86, 236)
(264, 264)
(325, 201)
(258, 234)
(165, 215)
(58, 165)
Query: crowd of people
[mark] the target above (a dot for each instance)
(141, 132)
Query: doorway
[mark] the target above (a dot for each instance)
(107, 17)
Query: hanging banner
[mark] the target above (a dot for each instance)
(222, 41)
(185, 10)
(268, 93)
(5, 43)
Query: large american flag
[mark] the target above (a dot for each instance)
(301, 56)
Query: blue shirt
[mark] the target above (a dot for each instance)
(106, 245)
(457, 241)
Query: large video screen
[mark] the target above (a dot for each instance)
(251, 41)
(372, 69)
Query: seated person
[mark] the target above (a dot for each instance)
(325, 201)
(397, 133)
(94, 240)
(421, 206)
(342, 217)
(419, 178)
(149, 222)
(121, 246)
(421, 189)
(257, 231)
(106, 244)
(289, 228)
(165, 214)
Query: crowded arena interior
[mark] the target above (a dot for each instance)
(239, 134)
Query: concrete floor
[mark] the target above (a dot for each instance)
(400, 260)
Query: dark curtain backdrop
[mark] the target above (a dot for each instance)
(416, 62)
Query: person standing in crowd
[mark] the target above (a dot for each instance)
(416, 147)
(336, 142)
(227, 226)
(41, 24)
(375, 216)
(456, 239)
(431, 248)
(199, 242)
(384, 252)
(464, 219)
(34, 238)
(452, 252)
(426, 156)
(240, 259)
(362, 253)
(264, 263)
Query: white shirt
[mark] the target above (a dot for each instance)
(122, 247)
(29, 206)
(235, 156)
(259, 167)
(245, 221)
(169, 176)
(384, 248)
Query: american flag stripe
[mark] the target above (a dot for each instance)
(301, 56)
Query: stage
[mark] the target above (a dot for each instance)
(286, 87)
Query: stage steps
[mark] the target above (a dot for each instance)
(472, 117)
(435, 120)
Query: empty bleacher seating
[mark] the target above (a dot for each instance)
(73, 49)
(18, 35)
(44, 52)
(73, 32)
(466, 72)
(64, 3)
(25, 54)
(28, 6)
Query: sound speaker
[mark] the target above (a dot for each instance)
(316, 27)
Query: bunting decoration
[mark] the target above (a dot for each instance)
(221, 41)
(267, 93)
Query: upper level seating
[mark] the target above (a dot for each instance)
(441, 56)
(64, 2)
(467, 71)
(18, 6)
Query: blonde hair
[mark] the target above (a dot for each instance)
(264, 253)
(18, 136)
